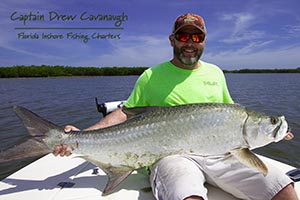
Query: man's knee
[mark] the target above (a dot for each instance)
(193, 198)
(287, 192)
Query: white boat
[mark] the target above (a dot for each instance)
(66, 178)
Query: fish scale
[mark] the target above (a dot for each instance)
(200, 129)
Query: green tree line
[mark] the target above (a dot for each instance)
(296, 70)
(54, 71)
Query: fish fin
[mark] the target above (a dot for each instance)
(31, 148)
(147, 189)
(247, 157)
(116, 175)
(35, 125)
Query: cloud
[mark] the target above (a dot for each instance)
(293, 30)
(248, 35)
(264, 59)
(238, 28)
(250, 45)
(135, 51)
(241, 21)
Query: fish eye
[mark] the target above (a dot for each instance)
(274, 120)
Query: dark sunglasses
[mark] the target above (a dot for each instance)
(184, 37)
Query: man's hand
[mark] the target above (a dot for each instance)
(70, 128)
(63, 149)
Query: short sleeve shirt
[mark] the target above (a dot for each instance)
(168, 85)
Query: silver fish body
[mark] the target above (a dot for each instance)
(156, 132)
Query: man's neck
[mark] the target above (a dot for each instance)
(177, 63)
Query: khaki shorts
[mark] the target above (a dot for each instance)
(178, 177)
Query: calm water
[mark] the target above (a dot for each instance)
(71, 101)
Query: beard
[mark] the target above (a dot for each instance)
(179, 53)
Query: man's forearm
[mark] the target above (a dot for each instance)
(116, 117)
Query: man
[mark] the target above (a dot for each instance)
(185, 79)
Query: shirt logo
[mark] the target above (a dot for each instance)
(210, 83)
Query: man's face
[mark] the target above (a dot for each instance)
(189, 52)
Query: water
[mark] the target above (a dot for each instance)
(71, 101)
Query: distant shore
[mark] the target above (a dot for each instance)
(296, 70)
(67, 71)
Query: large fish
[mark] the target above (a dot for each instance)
(155, 132)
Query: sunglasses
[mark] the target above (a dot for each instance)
(184, 37)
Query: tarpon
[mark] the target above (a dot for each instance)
(156, 132)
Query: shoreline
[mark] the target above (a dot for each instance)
(44, 71)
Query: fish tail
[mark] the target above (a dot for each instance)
(35, 125)
(38, 128)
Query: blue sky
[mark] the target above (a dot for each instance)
(240, 33)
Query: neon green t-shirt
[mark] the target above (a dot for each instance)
(168, 85)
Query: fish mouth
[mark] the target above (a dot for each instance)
(278, 132)
(289, 135)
